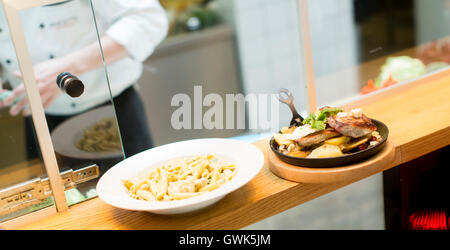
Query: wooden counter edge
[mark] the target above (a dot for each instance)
(236, 219)
(260, 209)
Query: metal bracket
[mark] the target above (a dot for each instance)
(37, 190)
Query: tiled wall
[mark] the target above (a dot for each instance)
(269, 44)
(270, 47)
(333, 35)
(432, 20)
(334, 44)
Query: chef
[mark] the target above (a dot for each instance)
(62, 38)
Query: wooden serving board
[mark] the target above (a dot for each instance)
(336, 174)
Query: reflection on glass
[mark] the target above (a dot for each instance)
(17, 140)
(16, 168)
(91, 129)
(105, 122)
(362, 46)
(63, 37)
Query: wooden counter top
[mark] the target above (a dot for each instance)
(418, 119)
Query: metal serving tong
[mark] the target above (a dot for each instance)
(297, 120)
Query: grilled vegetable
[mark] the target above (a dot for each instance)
(281, 140)
(338, 141)
(301, 154)
(288, 130)
(354, 144)
(317, 137)
(326, 151)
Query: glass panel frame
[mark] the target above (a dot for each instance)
(12, 9)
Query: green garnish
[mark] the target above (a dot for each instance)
(318, 119)
(401, 68)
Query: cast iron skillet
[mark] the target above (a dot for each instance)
(333, 161)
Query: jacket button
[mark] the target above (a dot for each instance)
(8, 61)
(41, 25)
(74, 105)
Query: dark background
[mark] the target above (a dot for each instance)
(384, 26)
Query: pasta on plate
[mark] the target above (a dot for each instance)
(102, 137)
(181, 179)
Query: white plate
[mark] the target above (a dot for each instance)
(247, 158)
(66, 135)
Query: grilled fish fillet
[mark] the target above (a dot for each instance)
(317, 137)
(351, 126)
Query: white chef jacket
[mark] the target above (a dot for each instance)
(57, 30)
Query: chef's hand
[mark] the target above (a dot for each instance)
(45, 74)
